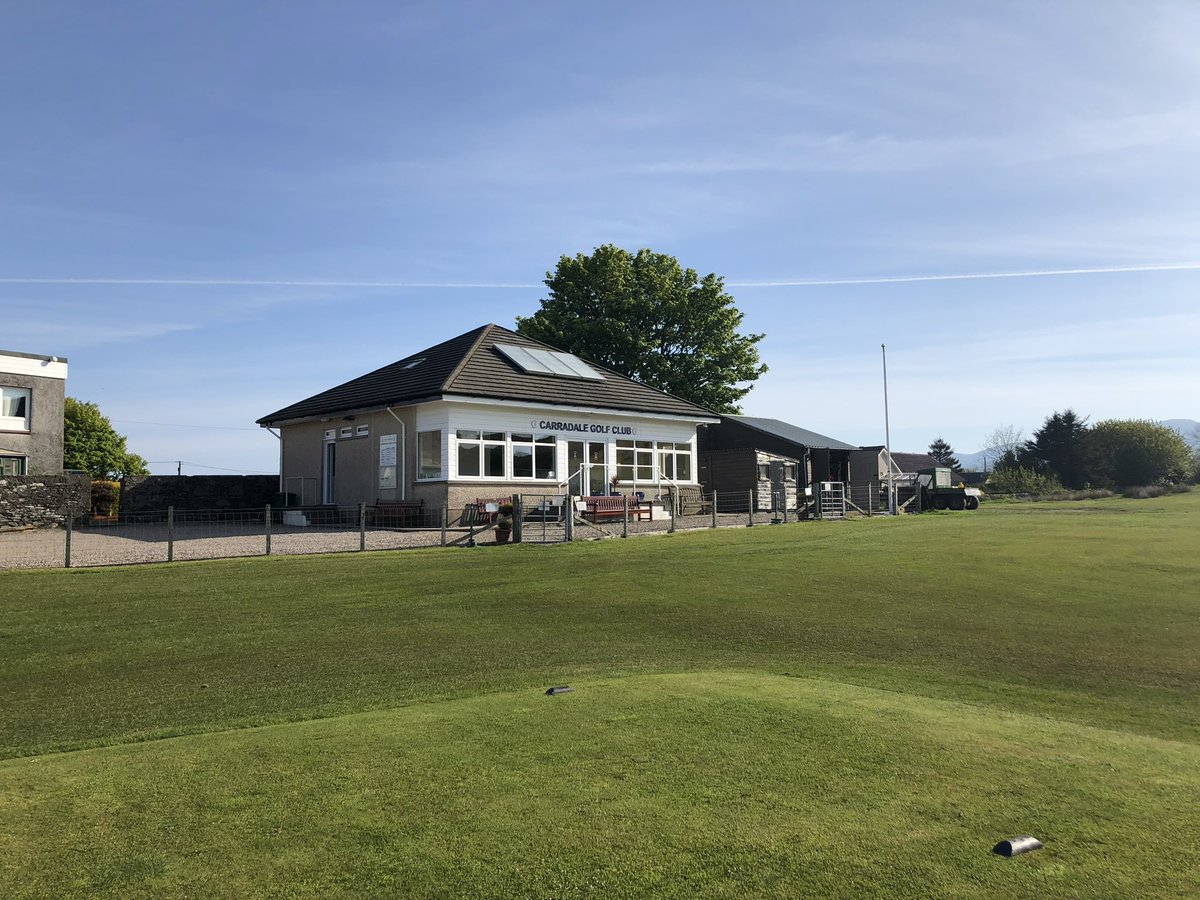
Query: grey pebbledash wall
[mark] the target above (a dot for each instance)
(153, 493)
(43, 501)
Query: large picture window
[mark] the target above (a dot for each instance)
(429, 454)
(533, 455)
(675, 461)
(480, 454)
(635, 461)
(14, 409)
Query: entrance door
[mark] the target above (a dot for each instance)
(586, 463)
(329, 468)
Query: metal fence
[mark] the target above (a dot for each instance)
(174, 535)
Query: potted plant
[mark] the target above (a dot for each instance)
(504, 525)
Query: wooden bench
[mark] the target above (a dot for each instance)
(690, 501)
(398, 513)
(613, 508)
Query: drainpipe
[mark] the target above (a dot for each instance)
(401, 451)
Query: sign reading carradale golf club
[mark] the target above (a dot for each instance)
(582, 427)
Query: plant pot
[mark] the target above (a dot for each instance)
(502, 535)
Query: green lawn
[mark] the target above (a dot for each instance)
(845, 709)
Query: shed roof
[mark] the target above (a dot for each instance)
(914, 462)
(793, 433)
(470, 366)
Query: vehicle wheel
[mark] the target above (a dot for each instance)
(972, 503)
(958, 502)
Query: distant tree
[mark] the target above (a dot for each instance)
(647, 317)
(1058, 447)
(92, 444)
(944, 454)
(1000, 443)
(1135, 452)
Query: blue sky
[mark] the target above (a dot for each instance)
(205, 150)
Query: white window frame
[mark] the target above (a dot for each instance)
(16, 423)
(481, 442)
(543, 442)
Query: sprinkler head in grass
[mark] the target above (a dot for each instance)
(561, 689)
(1018, 845)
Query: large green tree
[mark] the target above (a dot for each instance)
(647, 317)
(92, 444)
(1059, 448)
(1128, 452)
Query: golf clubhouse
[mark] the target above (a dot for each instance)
(489, 413)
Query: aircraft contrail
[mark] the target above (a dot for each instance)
(504, 285)
(966, 276)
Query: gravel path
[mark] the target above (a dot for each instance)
(123, 544)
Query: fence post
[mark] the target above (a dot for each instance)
(170, 534)
(714, 510)
(750, 508)
(267, 528)
(445, 517)
(625, 522)
(869, 492)
(569, 520)
(517, 516)
(674, 495)
(362, 527)
(70, 521)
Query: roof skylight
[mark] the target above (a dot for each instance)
(549, 362)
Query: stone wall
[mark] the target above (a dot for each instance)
(152, 493)
(43, 501)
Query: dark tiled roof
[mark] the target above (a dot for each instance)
(914, 462)
(792, 433)
(469, 365)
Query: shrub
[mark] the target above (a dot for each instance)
(106, 497)
(1145, 492)
(1021, 481)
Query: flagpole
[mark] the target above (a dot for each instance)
(887, 436)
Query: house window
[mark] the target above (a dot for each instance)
(635, 460)
(330, 434)
(347, 431)
(480, 454)
(675, 461)
(429, 454)
(764, 471)
(12, 465)
(789, 471)
(14, 409)
(362, 430)
(533, 455)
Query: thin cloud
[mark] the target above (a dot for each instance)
(488, 285)
(252, 282)
(967, 276)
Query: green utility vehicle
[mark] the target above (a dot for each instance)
(936, 490)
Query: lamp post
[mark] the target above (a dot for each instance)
(887, 437)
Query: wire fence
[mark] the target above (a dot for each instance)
(174, 535)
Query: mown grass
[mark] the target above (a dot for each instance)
(956, 678)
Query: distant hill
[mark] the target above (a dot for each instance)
(1189, 428)
(971, 462)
